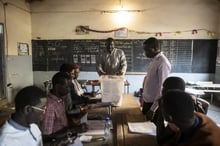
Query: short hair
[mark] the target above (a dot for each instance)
(60, 78)
(179, 105)
(29, 95)
(152, 43)
(66, 68)
(173, 83)
(109, 40)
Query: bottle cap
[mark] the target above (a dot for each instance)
(107, 119)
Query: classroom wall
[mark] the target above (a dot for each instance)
(50, 19)
(17, 21)
(58, 20)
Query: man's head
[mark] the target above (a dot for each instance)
(151, 47)
(178, 109)
(173, 83)
(67, 68)
(110, 44)
(61, 84)
(76, 71)
(28, 103)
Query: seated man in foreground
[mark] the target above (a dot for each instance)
(22, 129)
(185, 127)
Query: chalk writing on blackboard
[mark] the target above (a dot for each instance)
(186, 56)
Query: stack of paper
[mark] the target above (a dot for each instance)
(142, 127)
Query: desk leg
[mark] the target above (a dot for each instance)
(93, 88)
(110, 110)
(211, 97)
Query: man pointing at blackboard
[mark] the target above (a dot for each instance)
(112, 61)
(158, 70)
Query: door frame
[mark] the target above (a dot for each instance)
(2, 63)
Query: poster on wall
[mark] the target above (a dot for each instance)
(122, 33)
(23, 49)
(80, 31)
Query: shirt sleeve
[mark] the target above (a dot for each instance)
(49, 119)
(99, 63)
(123, 62)
(163, 73)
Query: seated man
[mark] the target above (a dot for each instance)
(55, 122)
(75, 98)
(78, 91)
(185, 127)
(22, 129)
(178, 83)
(200, 105)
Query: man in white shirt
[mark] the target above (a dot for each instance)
(22, 127)
(78, 89)
(158, 70)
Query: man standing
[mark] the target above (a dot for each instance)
(158, 70)
(112, 61)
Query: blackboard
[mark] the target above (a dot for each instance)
(186, 56)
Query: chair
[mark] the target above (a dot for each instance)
(201, 105)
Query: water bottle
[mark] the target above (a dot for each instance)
(107, 128)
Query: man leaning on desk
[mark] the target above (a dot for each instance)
(112, 61)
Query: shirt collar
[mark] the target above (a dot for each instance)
(158, 55)
(54, 97)
(16, 125)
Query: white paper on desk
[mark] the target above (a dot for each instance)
(142, 127)
(98, 96)
(95, 127)
(77, 142)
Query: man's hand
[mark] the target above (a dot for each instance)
(119, 73)
(101, 72)
(150, 115)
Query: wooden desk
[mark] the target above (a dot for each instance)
(94, 83)
(128, 112)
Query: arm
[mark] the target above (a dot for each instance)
(163, 72)
(123, 64)
(163, 133)
(99, 67)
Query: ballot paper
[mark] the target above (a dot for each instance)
(142, 127)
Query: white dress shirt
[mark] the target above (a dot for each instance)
(158, 70)
(13, 134)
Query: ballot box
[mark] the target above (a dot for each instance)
(112, 89)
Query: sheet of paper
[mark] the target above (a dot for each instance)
(142, 127)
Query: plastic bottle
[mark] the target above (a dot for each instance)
(107, 128)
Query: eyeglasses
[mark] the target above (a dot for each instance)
(39, 109)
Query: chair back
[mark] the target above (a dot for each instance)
(201, 105)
